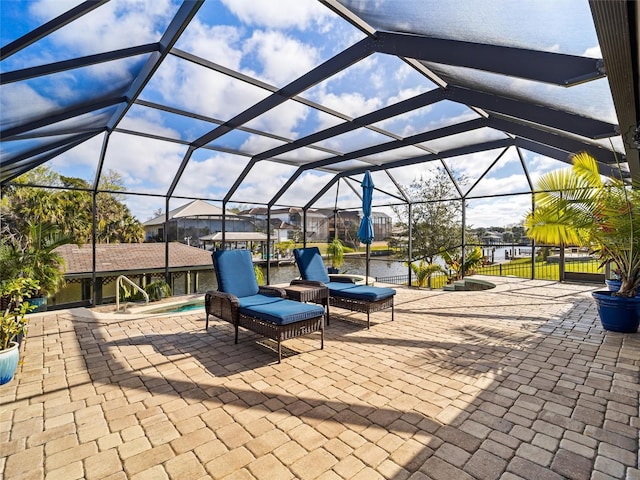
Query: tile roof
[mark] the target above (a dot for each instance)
(115, 257)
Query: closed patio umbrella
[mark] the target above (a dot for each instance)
(365, 232)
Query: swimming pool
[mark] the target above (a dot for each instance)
(187, 306)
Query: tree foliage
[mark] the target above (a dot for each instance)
(435, 215)
(460, 266)
(576, 207)
(69, 205)
(423, 271)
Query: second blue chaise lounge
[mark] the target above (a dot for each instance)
(343, 293)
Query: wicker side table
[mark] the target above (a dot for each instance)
(309, 293)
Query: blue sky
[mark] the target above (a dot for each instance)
(274, 45)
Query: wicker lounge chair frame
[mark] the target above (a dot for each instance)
(353, 304)
(226, 306)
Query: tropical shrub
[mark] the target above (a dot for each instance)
(423, 271)
(575, 206)
(157, 290)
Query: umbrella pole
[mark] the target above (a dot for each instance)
(366, 281)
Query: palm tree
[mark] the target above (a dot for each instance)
(38, 260)
(576, 206)
(423, 271)
(472, 259)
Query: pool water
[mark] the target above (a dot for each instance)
(178, 308)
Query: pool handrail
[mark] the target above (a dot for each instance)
(130, 282)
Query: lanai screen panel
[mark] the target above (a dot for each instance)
(542, 25)
(147, 165)
(210, 174)
(149, 120)
(270, 43)
(247, 82)
(200, 90)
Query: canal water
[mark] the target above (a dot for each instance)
(378, 267)
(388, 266)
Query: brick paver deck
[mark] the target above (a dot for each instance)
(519, 382)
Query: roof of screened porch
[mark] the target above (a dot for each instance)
(207, 103)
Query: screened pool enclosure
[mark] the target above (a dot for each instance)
(287, 104)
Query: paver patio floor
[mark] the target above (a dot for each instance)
(515, 382)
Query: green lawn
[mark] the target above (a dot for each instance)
(521, 268)
(543, 270)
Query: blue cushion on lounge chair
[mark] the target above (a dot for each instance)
(310, 264)
(363, 292)
(234, 271)
(259, 299)
(311, 267)
(283, 312)
(339, 286)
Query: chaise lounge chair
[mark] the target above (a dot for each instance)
(343, 292)
(240, 301)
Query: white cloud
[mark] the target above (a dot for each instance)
(47, 10)
(204, 91)
(81, 161)
(144, 207)
(20, 103)
(145, 164)
(555, 48)
(538, 165)
(304, 188)
(593, 52)
(283, 58)
(151, 122)
(117, 24)
(281, 120)
(262, 182)
(217, 43)
(495, 186)
(210, 175)
(353, 104)
(497, 212)
(282, 14)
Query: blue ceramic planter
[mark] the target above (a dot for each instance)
(618, 314)
(613, 285)
(8, 363)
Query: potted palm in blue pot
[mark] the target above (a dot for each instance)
(576, 206)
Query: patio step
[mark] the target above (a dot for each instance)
(457, 285)
(468, 284)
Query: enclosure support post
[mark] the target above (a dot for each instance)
(409, 245)
(304, 228)
(166, 240)
(533, 243)
(464, 243)
(268, 279)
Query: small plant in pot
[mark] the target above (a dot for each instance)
(13, 323)
(577, 207)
